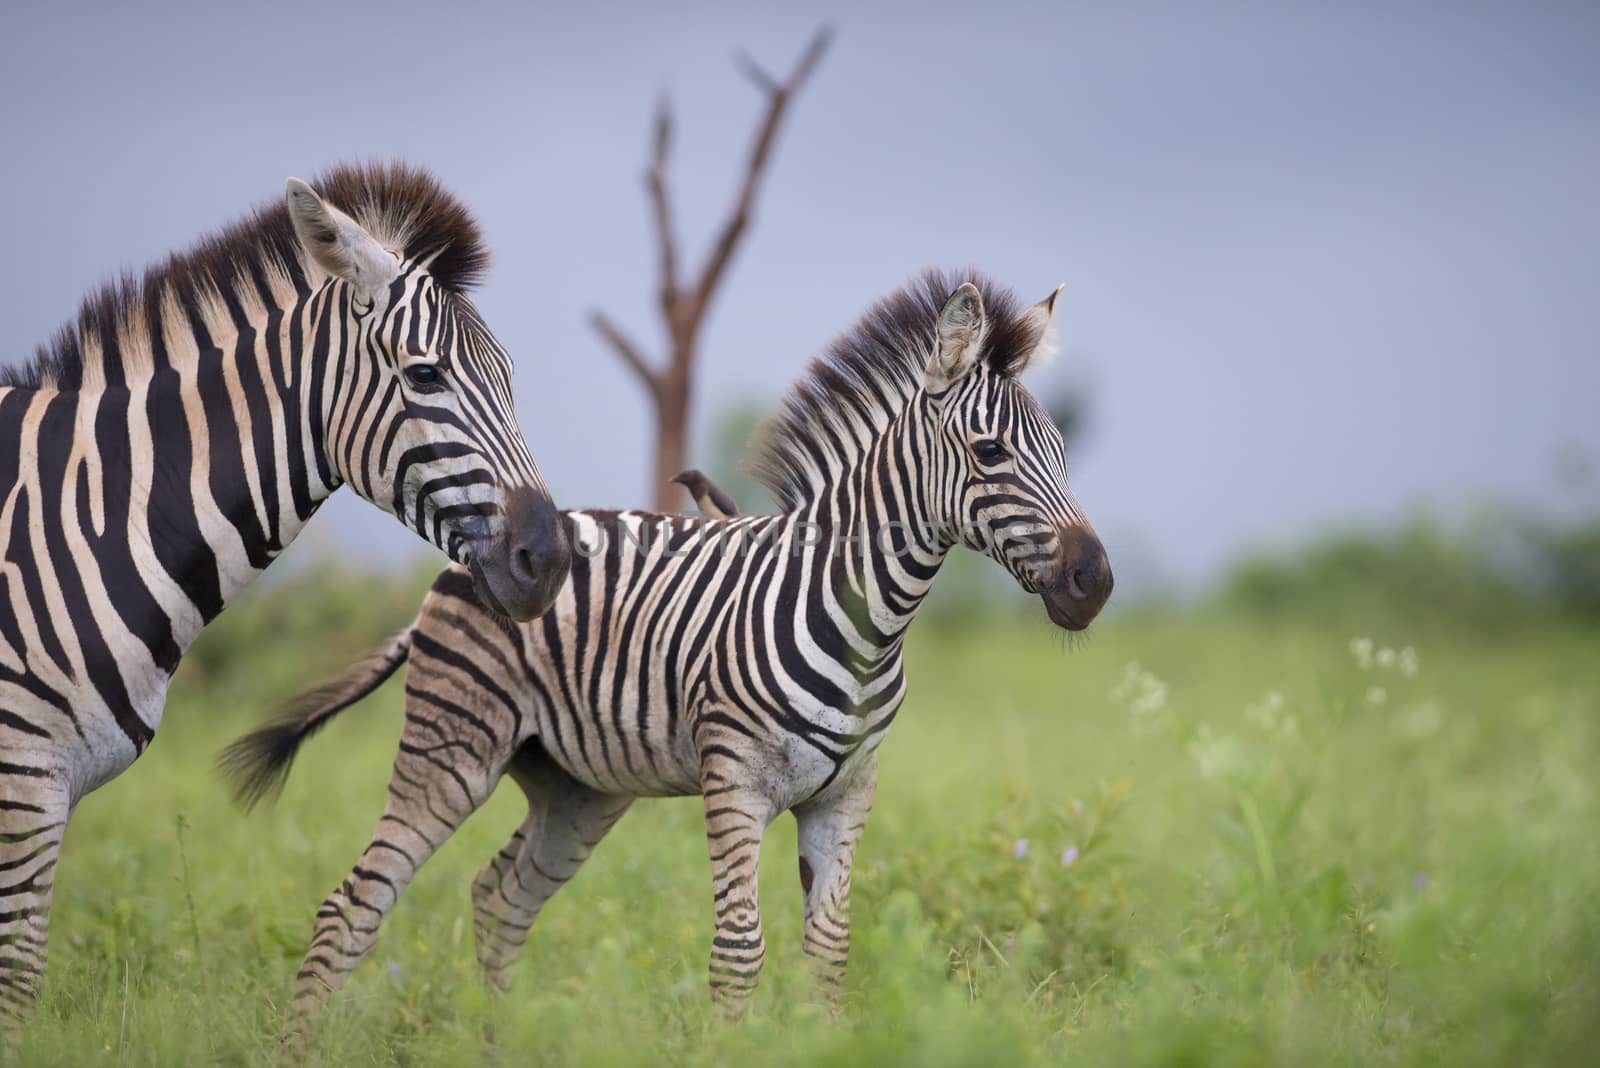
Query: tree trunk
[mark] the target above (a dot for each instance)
(672, 440)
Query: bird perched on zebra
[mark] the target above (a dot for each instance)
(176, 437)
(706, 494)
(754, 660)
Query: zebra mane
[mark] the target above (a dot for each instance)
(868, 375)
(403, 206)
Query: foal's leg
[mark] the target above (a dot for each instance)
(438, 781)
(829, 829)
(565, 821)
(737, 816)
(462, 719)
(33, 818)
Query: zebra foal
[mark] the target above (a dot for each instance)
(754, 660)
(175, 438)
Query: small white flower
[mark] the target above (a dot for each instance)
(1124, 689)
(1377, 695)
(1214, 754)
(1152, 697)
(1361, 649)
(1385, 657)
(1423, 719)
(1408, 662)
(1267, 713)
(1020, 850)
(1145, 696)
(1069, 854)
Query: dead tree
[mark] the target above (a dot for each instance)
(683, 307)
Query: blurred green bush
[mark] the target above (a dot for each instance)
(289, 634)
(1495, 572)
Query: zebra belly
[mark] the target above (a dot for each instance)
(618, 750)
(589, 745)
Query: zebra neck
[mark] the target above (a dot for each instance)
(890, 552)
(229, 461)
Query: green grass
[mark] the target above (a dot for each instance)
(1315, 878)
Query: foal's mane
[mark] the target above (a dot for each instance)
(403, 206)
(868, 375)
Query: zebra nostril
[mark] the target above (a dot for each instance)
(522, 565)
(1075, 585)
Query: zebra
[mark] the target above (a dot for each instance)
(754, 660)
(176, 437)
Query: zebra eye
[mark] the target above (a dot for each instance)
(989, 451)
(422, 375)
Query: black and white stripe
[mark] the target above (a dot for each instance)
(174, 440)
(754, 660)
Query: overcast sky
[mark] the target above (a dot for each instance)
(1320, 267)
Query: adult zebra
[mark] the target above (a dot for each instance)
(755, 660)
(169, 444)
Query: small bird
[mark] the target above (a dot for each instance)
(708, 497)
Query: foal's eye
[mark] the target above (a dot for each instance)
(989, 451)
(422, 375)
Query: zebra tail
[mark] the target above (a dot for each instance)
(258, 764)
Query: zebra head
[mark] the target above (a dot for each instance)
(1000, 463)
(419, 417)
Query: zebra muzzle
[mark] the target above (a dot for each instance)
(1082, 582)
(519, 572)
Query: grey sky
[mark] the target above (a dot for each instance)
(1320, 266)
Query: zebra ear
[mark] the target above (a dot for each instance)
(959, 337)
(337, 243)
(1041, 324)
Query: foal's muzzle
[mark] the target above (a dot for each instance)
(1081, 583)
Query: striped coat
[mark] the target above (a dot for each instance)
(171, 442)
(754, 660)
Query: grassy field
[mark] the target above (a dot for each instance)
(1193, 839)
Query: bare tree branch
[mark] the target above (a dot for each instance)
(625, 348)
(755, 72)
(779, 96)
(683, 307)
(656, 182)
(810, 57)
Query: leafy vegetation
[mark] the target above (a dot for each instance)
(1496, 573)
(1244, 832)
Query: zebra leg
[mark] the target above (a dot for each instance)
(565, 821)
(437, 783)
(829, 829)
(33, 820)
(736, 818)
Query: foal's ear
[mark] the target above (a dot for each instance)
(337, 243)
(1040, 321)
(959, 337)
